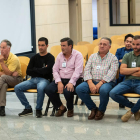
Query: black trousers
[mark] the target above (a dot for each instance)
(51, 90)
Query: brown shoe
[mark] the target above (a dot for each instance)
(60, 112)
(99, 115)
(137, 115)
(70, 113)
(92, 114)
(126, 116)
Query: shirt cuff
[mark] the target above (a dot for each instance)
(57, 80)
(106, 79)
(72, 82)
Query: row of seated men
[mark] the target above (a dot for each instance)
(99, 77)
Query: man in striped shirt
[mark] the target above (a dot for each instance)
(99, 77)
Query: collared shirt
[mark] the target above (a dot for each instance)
(12, 64)
(72, 70)
(128, 59)
(99, 68)
(121, 52)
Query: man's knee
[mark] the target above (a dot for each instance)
(112, 94)
(17, 88)
(78, 90)
(4, 77)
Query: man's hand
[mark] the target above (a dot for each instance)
(1, 58)
(92, 87)
(60, 87)
(120, 60)
(70, 87)
(15, 74)
(99, 85)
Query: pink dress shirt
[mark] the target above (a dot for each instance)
(73, 69)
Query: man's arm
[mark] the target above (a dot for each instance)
(128, 71)
(118, 56)
(78, 69)
(11, 67)
(30, 67)
(56, 70)
(47, 69)
(6, 71)
(88, 68)
(112, 71)
(137, 74)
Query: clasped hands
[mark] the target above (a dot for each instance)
(69, 87)
(95, 88)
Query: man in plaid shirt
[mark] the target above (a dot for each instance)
(99, 76)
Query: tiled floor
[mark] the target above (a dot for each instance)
(78, 127)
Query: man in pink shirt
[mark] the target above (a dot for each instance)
(67, 72)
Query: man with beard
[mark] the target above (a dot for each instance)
(40, 69)
(122, 51)
(130, 67)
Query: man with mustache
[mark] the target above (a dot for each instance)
(130, 67)
(40, 69)
(67, 73)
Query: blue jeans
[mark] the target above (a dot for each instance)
(83, 92)
(127, 86)
(34, 83)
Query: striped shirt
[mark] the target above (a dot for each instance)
(99, 68)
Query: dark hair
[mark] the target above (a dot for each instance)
(106, 38)
(128, 35)
(43, 39)
(7, 42)
(69, 41)
(136, 37)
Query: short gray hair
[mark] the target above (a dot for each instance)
(7, 42)
(106, 38)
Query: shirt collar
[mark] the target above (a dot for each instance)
(134, 54)
(70, 55)
(128, 50)
(104, 56)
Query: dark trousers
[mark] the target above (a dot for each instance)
(51, 90)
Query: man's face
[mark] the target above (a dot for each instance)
(104, 46)
(136, 45)
(42, 46)
(4, 48)
(128, 43)
(65, 48)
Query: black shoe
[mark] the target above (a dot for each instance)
(26, 112)
(2, 111)
(121, 106)
(38, 113)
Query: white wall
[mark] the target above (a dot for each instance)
(87, 27)
(52, 20)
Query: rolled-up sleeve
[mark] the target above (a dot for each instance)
(78, 69)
